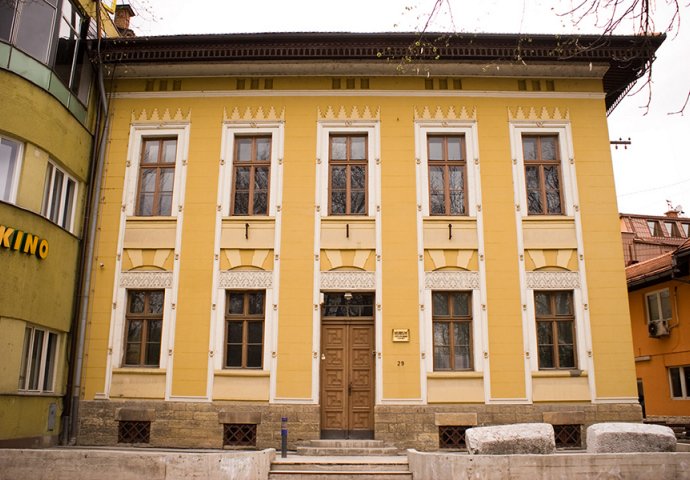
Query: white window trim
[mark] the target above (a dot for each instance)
(137, 134)
(231, 130)
(477, 334)
(269, 322)
(657, 294)
(118, 341)
(565, 143)
(43, 359)
(14, 181)
(48, 200)
(580, 334)
(352, 127)
(469, 130)
(684, 386)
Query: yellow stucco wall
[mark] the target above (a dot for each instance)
(551, 244)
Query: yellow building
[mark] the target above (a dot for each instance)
(47, 126)
(369, 236)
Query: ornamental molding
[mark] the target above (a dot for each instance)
(538, 115)
(348, 114)
(348, 280)
(146, 279)
(253, 115)
(245, 279)
(156, 117)
(553, 280)
(455, 280)
(440, 114)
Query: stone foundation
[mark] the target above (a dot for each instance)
(200, 425)
(195, 425)
(416, 426)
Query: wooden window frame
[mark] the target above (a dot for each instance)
(253, 163)
(159, 165)
(348, 163)
(245, 317)
(59, 197)
(446, 164)
(146, 318)
(452, 319)
(554, 319)
(42, 351)
(541, 164)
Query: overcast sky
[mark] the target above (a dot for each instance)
(655, 168)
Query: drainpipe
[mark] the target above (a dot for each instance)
(87, 251)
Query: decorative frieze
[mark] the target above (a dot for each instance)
(146, 279)
(553, 280)
(245, 279)
(348, 280)
(453, 280)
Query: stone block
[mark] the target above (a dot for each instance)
(456, 419)
(629, 438)
(520, 438)
(564, 418)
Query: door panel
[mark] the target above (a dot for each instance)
(347, 380)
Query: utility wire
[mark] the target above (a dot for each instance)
(655, 188)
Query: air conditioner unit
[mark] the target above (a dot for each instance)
(658, 328)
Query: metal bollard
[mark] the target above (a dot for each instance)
(283, 437)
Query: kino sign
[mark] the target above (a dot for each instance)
(13, 239)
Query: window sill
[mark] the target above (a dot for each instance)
(27, 393)
(249, 218)
(455, 374)
(548, 218)
(157, 219)
(242, 373)
(559, 373)
(449, 218)
(348, 218)
(139, 370)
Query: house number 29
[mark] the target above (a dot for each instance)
(401, 363)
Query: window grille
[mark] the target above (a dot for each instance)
(452, 437)
(133, 432)
(239, 435)
(568, 436)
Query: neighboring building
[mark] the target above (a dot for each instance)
(292, 226)
(46, 133)
(646, 237)
(659, 295)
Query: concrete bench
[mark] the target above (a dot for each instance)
(519, 438)
(629, 438)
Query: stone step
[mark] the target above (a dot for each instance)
(345, 451)
(337, 475)
(345, 443)
(380, 463)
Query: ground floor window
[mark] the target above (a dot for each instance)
(39, 356)
(555, 317)
(144, 326)
(452, 330)
(244, 329)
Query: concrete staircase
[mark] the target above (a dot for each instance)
(341, 460)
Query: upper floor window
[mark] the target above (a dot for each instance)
(144, 324)
(542, 174)
(686, 229)
(10, 165)
(555, 319)
(37, 371)
(447, 175)
(244, 329)
(347, 174)
(659, 305)
(680, 381)
(59, 197)
(251, 175)
(672, 229)
(52, 32)
(156, 177)
(655, 228)
(452, 330)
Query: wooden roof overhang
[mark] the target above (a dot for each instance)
(618, 60)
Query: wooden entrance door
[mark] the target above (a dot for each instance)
(347, 379)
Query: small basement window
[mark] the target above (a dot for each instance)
(133, 431)
(568, 436)
(239, 435)
(452, 437)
